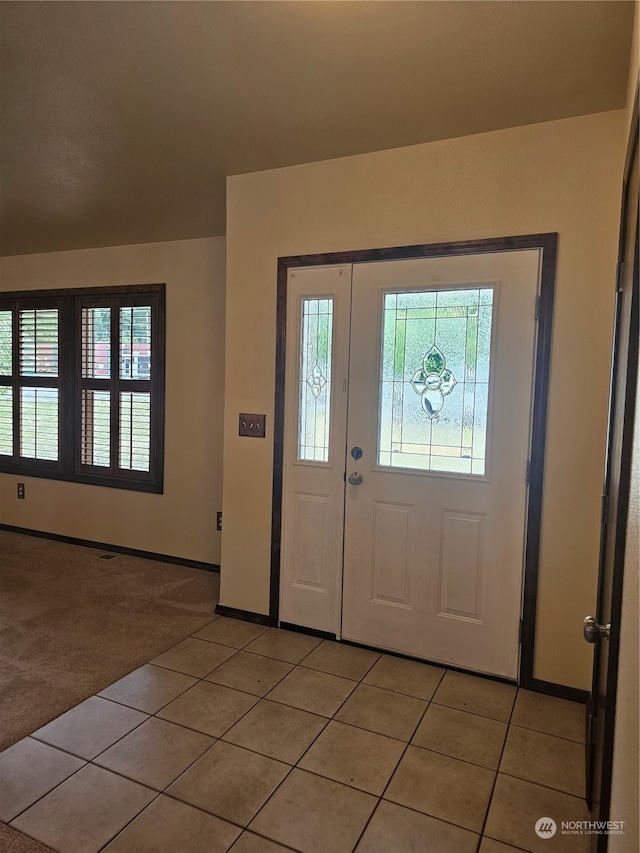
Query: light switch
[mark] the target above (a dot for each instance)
(252, 425)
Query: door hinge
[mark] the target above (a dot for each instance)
(528, 476)
(619, 275)
(537, 313)
(604, 509)
(520, 632)
(591, 728)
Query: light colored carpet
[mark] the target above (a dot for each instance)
(12, 841)
(71, 624)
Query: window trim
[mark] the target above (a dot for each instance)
(68, 467)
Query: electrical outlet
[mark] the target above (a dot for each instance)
(218, 521)
(252, 425)
(21, 491)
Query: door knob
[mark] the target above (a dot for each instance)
(591, 630)
(355, 479)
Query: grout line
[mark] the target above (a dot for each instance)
(327, 720)
(497, 772)
(129, 822)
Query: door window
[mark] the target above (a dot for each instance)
(315, 379)
(434, 380)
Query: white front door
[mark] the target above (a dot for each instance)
(429, 416)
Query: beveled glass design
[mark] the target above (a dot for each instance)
(315, 379)
(434, 384)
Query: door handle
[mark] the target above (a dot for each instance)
(591, 630)
(355, 479)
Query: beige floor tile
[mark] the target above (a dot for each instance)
(490, 845)
(194, 657)
(476, 695)
(405, 676)
(231, 632)
(169, 826)
(442, 787)
(148, 688)
(340, 659)
(85, 812)
(230, 782)
(313, 691)
(283, 645)
(461, 735)
(28, 770)
(394, 828)
(252, 673)
(550, 715)
(249, 842)
(208, 708)
(276, 730)
(517, 805)
(314, 815)
(382, 711)
(155, 753)
(90, 727)
(353, 756)
(544, 759)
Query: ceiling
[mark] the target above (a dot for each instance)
(121, 120)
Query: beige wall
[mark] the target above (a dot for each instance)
(560, 176)
(182, 521)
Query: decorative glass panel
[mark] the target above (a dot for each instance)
(39, 342)
(96, 428)
(39, 423)
(6, 420)
(6, 338)
(436, 348)
(315, 379)
(135, 342)
(96, 343)
(135, 430)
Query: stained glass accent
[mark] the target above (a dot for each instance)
(436, 350)
(315, 379)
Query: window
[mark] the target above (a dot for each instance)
(82, 385)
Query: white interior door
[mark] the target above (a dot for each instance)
(424, 554)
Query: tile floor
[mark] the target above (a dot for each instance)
(260, 740)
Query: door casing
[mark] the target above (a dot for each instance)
(548, 244)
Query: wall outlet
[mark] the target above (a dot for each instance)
(218, 521)
(252, 425)
(21, 491)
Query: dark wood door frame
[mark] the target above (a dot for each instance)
(617, 475)
(548, 243)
